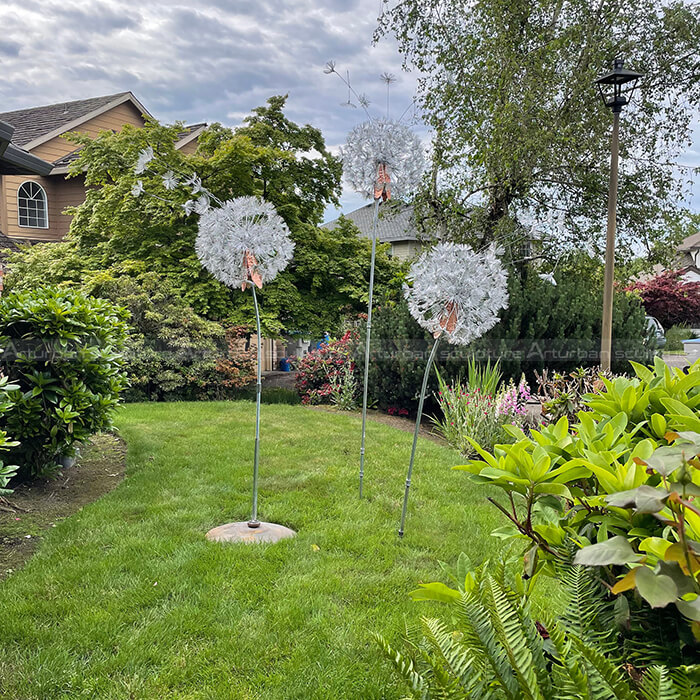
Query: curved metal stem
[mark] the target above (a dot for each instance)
(253, 522)
(367, 341)
(431, 357)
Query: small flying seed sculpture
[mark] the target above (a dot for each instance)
(457, 294)
(381, 158)
(244, 243)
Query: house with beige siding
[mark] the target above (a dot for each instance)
(32, 206)
(395, 226)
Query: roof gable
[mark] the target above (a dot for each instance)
(394, 224)
(189, 134)
(37, 125)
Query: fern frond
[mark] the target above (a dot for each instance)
(479, 634)
(570, 677)
(457, 659)
(657, 685)
(510, 633)
(686, 681)
(608, 672)
(588, 613)
(536, 645)
(405, 667)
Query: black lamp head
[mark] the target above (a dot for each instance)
(610, 85)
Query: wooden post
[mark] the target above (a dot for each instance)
(606, 336)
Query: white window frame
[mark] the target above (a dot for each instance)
(45, 198)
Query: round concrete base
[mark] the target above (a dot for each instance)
(242, 532)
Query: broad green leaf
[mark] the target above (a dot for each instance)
(553, 488)
(655, 545)
(658, 424)
(657, 589)
(616, 550)
(684, 583)
(644, 499)
(506, 532)
(621, 611)
(665, 460)
(435, 591)
(690, 608)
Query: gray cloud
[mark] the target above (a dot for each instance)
(9, 48)
(206, 60)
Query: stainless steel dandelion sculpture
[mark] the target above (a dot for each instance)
(380, 158)
(454, 293)
(244, 243)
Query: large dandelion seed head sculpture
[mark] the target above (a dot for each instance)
(457, 292)
(383, 155)
(243, 241)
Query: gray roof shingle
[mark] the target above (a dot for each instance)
(35, 122)
(690, 243)
(395, 222)
(66, 160)
(187, 130)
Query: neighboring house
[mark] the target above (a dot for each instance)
(689, 260)
(16, 162)
(395, 226)
(32, 205)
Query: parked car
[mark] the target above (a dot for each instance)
(656, 332)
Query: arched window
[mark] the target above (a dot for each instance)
(32, 205)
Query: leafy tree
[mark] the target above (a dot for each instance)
(507, 87)
(269, 156)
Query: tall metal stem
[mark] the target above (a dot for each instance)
(606, 336)
(367, 341)
(253, 522)
(428, 366)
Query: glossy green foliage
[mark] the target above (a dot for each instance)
(7, 471)
(269, 156)
(619, 486)
(658, 399)
(63, 352)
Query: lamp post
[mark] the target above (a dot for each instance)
(614, 97)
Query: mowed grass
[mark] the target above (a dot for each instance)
(126, 599)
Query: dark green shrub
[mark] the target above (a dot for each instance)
(559, 327)
(172, 353)
(675, 336)
(270, 395)
(543, 327)
(7, 471)
(63, 351)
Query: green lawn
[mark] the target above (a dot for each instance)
(126, 599)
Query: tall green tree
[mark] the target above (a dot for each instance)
(507, 87)
(269, 156)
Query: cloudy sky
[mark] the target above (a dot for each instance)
(207, 60)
